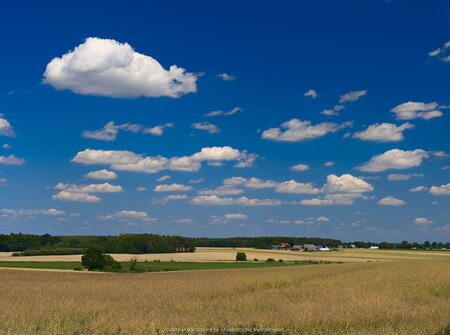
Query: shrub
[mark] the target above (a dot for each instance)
(241, 256)
(94, 259)
(256, 259)
(280, 260)
(269, 260)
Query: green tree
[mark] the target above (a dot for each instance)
(94, 259)
(241, 256)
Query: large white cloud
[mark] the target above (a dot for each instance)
(346, 184)
(391, 201)
(5, 128)
(123, 160)
(106, 67)
(79, 197)
(242, 201)
(394, 159)
(101, 175)
(296, 130)
(413, 110)
(440, 190)
(340, 190)
(11, 160)
(383, 132)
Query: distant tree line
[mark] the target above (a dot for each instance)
(123, 243)
(262, 242)
(153, 243)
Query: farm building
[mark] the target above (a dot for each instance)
(277, 247)
(309, 247)
(374, 247)
(297, 248)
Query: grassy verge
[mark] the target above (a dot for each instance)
(157, 266)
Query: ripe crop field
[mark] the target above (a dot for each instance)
(382, 298)
(229, 255)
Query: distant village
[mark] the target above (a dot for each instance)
(313, 247)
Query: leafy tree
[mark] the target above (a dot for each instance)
(94, 259)
(241, 256)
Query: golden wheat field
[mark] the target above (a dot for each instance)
(229, 254)
(382, 298)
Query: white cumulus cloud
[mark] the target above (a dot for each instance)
(413, 110)
(11, 160)
(394, 159)
(391, 201)
(105, 67)
(80, 197)
(123, 160)
(440, 190)
(296, 130)
(101, 175)
(383, 132)
(5, 128)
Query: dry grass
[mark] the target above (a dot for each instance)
(409, 297)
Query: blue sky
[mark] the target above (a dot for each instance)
(353, 93)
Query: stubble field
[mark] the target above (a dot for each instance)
(383, 298)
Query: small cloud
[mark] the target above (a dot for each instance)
(209, 127)
(163, 178)
(141, 189)
(11, 160)
(226, 76)
(101, 175)
(311, 93)
(391, 201)
(352, 96)
(230, 112)
(422, 222)
(300, 167)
